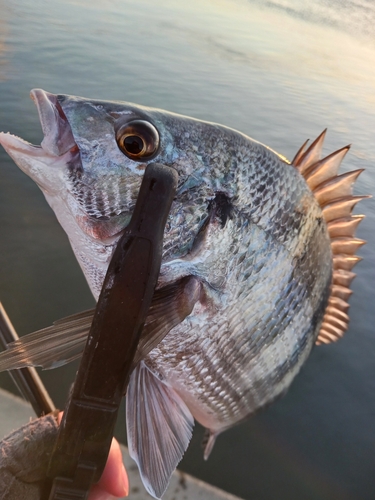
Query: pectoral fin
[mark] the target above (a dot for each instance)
(159, 426)
(50, 347)
(65, 340)
(170, 306)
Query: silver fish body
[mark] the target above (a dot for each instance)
(246, 246)
(265, 284)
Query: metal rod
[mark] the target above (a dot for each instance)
(27, 379)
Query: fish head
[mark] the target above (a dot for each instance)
(90, 166)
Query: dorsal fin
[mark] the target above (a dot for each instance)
(335, 196)
(297, 159)
(304, 160)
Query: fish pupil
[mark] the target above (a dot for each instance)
(133, 144)
(137, 139)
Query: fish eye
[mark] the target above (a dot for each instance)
(137, 139)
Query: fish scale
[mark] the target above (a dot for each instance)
(257, 262)
(237, 356)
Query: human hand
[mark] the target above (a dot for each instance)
(114, 481)
(24, 458)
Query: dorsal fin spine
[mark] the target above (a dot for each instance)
(335, 197)
(296, 160)
(343, 278)
(312, 154)
(334, 311)
(340, 291)
(325, 168)
(336, 187)
(346, 226)
(346, 262)
(341, 207)
(338, 303)
(346, 245)
(334, 321)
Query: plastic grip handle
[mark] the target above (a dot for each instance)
(86, 430)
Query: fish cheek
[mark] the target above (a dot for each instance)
(105, 228)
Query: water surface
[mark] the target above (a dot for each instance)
(280, 71)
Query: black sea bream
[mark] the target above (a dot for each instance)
(256, 266)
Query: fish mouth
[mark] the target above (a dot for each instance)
(57, 148)
(58, 137)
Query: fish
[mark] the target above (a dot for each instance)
(257, 262)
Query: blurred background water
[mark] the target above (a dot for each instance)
(279, 71)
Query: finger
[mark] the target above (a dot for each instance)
(97, 493)
(114, 481)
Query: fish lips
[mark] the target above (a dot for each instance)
(58, 137)
(57, 149)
